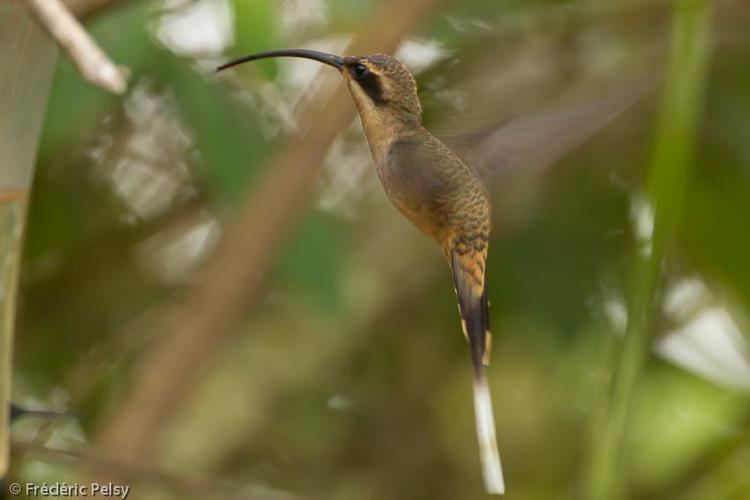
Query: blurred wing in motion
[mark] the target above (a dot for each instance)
(535, 142)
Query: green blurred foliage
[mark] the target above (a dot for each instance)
(347, 377)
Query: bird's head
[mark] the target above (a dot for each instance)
(381, 85)
(382, 88)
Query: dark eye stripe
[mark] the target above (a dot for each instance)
(371, 84)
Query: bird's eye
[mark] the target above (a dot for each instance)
(360, 70)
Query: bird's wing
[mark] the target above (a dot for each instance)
(535, 142)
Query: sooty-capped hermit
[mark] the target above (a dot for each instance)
(445, 197)
(434, 189)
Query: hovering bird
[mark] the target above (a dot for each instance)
(444, 191)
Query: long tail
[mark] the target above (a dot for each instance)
(492, 469)
(474, 309)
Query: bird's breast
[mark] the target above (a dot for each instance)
(414, 190)
(430, 185)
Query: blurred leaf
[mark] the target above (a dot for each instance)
(349, 12)
(76, 106)
(715, 230)
(255, 25)
(227, 136)
(678, 417)
(312, 262)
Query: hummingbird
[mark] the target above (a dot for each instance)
(446, 197)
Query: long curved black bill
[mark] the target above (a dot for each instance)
(323, 57)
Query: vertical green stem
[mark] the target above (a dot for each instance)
(668, 177)
(27, 59)
(11, 223)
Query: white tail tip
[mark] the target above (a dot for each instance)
(492, 470)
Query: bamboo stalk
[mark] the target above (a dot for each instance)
(669, 173)
(27, 60)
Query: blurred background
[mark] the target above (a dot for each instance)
(322, 355)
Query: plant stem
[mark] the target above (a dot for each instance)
(27, 61)
(669, 174)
